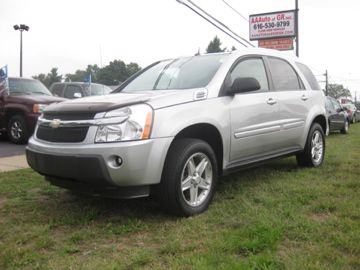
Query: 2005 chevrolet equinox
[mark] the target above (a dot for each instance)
(177, 125)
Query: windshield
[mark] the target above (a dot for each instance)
(27, 87)
(97, 90)
(183, 73)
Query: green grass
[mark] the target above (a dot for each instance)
(277, 216)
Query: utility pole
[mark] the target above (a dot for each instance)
(326, 83)
(297, 27)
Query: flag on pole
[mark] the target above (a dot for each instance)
(4, 77)
(87, 79)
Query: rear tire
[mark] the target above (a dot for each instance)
(345, 130)
(314, 152)
(17, 130)
(189, 178)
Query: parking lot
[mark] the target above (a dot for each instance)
(8, 149)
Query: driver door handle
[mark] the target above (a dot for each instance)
(271, 101)
(304, 97)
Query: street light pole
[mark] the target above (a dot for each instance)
(297, 27)
(21, 28)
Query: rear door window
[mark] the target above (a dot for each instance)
(283, 75)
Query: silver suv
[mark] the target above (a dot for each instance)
(174, 127)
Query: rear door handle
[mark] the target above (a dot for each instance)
(271, 101)
(303, 97)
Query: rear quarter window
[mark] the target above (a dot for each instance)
(309, 76)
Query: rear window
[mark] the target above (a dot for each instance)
(309, 76)
(57, 89)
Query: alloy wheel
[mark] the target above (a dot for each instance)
(196, 179)
(317, 147)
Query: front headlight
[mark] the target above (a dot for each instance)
(135, 124)
(38, 108)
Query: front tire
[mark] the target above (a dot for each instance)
(189, 178)
(17, 130)
(314, 152)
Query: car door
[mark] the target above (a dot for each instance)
(294, 102)
(339, 121)
(253, 115)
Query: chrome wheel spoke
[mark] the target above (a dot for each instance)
(204, 185)
(202, 166)
(186, 184)
(193, 194)
(191, 167)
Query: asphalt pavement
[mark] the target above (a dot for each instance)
(12, 156)
(8, 149)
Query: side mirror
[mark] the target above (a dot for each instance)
(77, 95)
(244, 84)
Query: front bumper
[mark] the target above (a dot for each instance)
(92, 164)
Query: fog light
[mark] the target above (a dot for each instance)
(115, 162)
(118, 161)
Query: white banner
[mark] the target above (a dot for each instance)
(272, 25)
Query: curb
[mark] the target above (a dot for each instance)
(13, 163)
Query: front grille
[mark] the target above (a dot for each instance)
(69, 116)
(62, 134)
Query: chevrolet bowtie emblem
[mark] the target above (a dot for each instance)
(55, 123)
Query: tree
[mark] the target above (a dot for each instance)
(53, 77)
(41, 77)
(214, 46)
(337, 91)
(50, 78)
(114, 73)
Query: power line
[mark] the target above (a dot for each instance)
(219, 22)
(198, 13)
(242, 16)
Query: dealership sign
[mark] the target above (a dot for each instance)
(272, 25)
(281, 44)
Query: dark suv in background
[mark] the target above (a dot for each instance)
(78, 89)
(21, 106)
(337, 116)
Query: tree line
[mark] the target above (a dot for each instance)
(113, 74)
